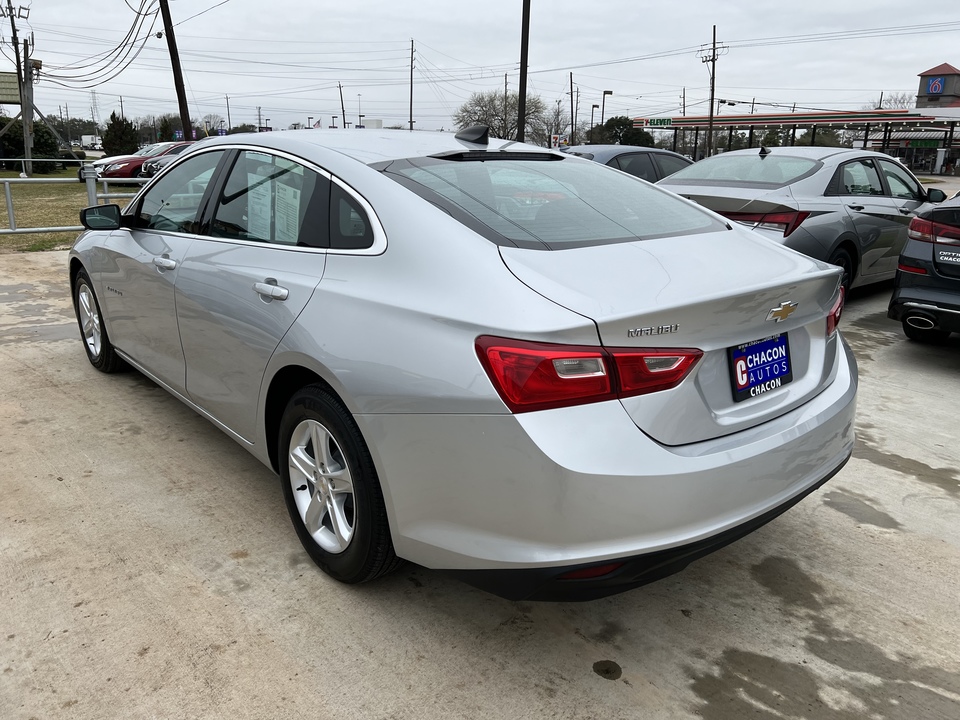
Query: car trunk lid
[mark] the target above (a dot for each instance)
(712, 292)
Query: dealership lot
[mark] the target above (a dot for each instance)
(148, 569)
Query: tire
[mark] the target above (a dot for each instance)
(333, 496)
(96, 342)
(934, 337)
(841, 258)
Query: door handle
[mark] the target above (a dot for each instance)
(165, 263)
(855, 207)
(904, 211)
(269, 290)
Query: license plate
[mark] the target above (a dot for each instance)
(760, 366)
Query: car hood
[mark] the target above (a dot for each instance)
(118, 159)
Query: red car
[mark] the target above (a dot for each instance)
(128, 166)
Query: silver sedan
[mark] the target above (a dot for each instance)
(549, 379)
(848, 207)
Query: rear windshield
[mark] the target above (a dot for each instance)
(550, 204)
(739, 170)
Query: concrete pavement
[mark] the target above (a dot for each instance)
(148, 570)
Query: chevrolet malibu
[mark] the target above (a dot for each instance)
(551, 380)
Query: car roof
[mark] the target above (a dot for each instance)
(813, 153)
(368, 145)
(603, 153)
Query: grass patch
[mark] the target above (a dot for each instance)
(45, 205)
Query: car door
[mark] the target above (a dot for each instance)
(637, 164)
(873, 214)
(669, 164)
(908, 195)
(141, 264)
(245, 282)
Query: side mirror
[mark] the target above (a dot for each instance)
(101, 217)
(936, 195)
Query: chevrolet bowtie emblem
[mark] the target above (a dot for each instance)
(783, 312)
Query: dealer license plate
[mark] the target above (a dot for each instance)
(760, 366)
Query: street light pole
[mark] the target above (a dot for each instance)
(603, 104)
(592, 108)
(359, 116)
(524, 49)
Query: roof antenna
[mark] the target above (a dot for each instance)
(478, 134)
(763, 151)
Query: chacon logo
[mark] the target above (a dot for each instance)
(935, 86)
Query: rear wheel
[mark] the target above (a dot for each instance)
(331, 489)
(842, 259)
(928, 336)
(100, 351)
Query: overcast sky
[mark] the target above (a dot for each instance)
(288, 56)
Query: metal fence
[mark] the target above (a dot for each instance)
(97, 189)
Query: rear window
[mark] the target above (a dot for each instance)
(550, 204)
(739, 170)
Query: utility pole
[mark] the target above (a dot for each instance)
(505, 119)
(524, 47)
(16, 45)
(343, 109)
(177, 71)
(411, 84)
(121, 108)
(229, 124)
(573, 128)
(711, 60)
(576, 116)
(683, 102)
(259, 119)
(26, 105)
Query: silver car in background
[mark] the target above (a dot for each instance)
(549, 379)
(650, 164)
(850, 208)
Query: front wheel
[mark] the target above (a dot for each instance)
(331, 489)
(100, 351)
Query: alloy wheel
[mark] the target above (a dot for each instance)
(322, 486)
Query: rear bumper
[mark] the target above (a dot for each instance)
(941, 305)
(547, 584)
(542, 492)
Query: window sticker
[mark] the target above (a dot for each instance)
(288, 214)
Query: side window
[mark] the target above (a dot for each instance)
(274, 200)
(349, 225)
(173, 203)
(860, 177)
(637, 164)
(669, 164)
(902, 184)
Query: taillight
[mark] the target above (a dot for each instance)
(833, 319)
(785, 222)
(926, 230)
(648, 371)
(539, 376)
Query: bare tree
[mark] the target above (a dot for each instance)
(489, 108)
(212, 121)
(893, 101)
(555, 121)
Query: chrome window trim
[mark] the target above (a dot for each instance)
(379, 234)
